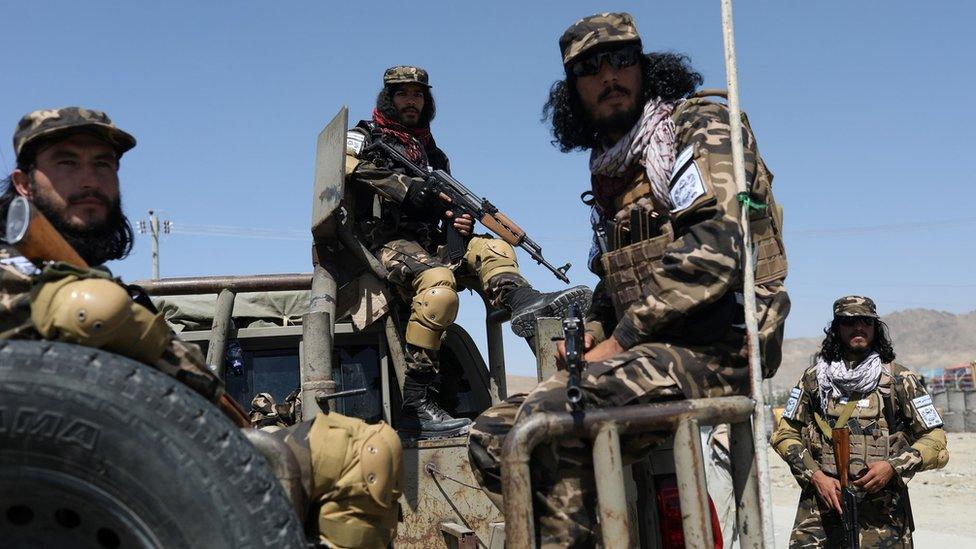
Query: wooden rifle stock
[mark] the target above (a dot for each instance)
(35, 238)
(504, 227)
(841, 440)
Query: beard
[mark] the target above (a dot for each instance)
(97, 243)
(620, 121)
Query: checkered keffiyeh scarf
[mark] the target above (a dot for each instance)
(650, 143)
(416, 141)
(836, 380)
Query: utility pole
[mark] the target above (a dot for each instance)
(153, 230)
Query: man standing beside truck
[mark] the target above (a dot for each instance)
(667, 318)
(894, 431)
(406, 223)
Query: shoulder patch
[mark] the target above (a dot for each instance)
(686, 180)
(926, 410)
(790, 411)
(355, 141)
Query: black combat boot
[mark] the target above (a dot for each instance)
(526, 304)
(421, 417)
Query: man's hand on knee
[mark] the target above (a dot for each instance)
(606, 349)
(560, 352)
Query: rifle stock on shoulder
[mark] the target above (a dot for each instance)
(34, 236)
(30, 232)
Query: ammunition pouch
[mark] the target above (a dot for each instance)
(627, 270)
(770, 255)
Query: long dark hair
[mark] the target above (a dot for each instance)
(384, 103)
(832, 348)
(113, 240)
(666, 75)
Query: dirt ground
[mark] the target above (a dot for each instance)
(944, 501)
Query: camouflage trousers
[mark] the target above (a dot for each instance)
(564, 489)
(489, 267)
(882, 519)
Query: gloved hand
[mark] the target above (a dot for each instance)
(422, 198)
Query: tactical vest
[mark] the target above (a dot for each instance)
(626, 263)
(870, 419)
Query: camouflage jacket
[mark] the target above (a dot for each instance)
(899, 422)
(690, 291)
(181, 360)
(377, 189)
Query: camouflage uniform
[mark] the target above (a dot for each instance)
(899, 425)
(410, 242)
(682, 331)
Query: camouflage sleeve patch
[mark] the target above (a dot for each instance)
(355, 142)
(789, 412)
(926, 411)
(686, 185)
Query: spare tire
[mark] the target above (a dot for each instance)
(99, 451)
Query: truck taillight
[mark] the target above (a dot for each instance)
(669, 513)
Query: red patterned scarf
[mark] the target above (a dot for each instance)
(415, 141)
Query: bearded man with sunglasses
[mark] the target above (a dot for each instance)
(896, 432)
(667, 318)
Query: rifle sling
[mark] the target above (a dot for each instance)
(845, 415)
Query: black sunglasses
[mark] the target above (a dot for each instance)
(849, 321)
(618, 59)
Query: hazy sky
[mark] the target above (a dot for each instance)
(860, 109)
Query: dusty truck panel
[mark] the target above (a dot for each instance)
(441, 489)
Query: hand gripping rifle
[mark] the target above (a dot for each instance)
(841, 440)
(463, 201)
(573, 332)
(36, 239)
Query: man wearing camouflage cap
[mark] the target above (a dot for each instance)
(407, 232)
(896, 432)
(667, 318)
(67, 165)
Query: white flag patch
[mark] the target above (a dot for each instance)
(926, 410)
(686, 183)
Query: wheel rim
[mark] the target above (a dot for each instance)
(45, 508)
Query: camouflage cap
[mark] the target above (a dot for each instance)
(43, 124)
(405, 74)
(855, 305)
(602, 28)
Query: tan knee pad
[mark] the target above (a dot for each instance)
(96, 312)
(489, 257)
(433, 309)
(356, 469)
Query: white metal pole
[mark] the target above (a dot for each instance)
(748, 280)
(154, 232)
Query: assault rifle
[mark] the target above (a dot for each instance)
(573, 333)
(30, 232)
(463, 201)
(841, 439)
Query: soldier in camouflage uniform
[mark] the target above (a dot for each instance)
(67, 165)
(895, 433)
(402, 221)
(667, 317)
